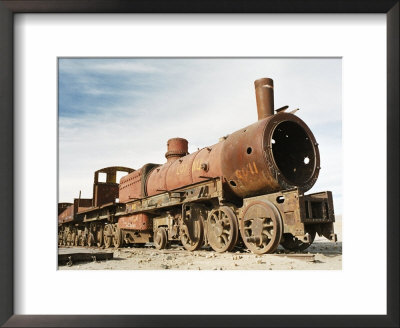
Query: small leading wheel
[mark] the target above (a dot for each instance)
(117, 238)
(82, 240)
(99, 235)
(73, 237)
(69, 236)
(160, 238)
(261, 227)
(222, 229)
(108, 236)
(90, 239)
(291, 243)
(192, 233)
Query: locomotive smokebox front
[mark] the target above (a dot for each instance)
(277, 152)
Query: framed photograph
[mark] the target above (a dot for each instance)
(53, 48)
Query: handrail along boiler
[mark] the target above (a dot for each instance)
(247, 189)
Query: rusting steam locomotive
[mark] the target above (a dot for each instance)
(247, 189)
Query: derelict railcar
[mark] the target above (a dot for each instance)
(249, 186)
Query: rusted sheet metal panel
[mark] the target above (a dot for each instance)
(134, 185)
(207, 163)
(67, 215)
(318, 207)
(264, 97)
(156, 183)
(105, 193)
(82, 204)
(296, 220)
(111, 173)
(193, 168)
(130, 186)
(140, 221)
(270, 155)
(62, 207)
(180, 172)
(275, 153)
(176, 148)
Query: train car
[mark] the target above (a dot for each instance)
(82, 222)
(248, 188)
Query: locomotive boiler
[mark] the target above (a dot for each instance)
(247, 189)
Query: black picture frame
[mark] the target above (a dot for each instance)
(7, 198)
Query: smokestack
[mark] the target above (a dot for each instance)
(176, 148)
(264, 97)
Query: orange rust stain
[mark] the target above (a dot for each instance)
(249, 169)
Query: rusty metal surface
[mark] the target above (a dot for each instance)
(62, 207)
(134, 185)
(264, 97)
(139, 221)
(207, 163)
(176, 148)
(130, 186)
(156, 183)
(277, 152)
(253, 166)
(82, 204)
(180, 172)
(261, 226)
(111, 173)
(106, 192)
(67, 215)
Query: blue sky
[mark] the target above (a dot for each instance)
(123, 111)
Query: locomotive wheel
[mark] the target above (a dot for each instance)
(160, 238)
(222, 229)
(117, 238)
(76, 241)
(82, 240)
(99, 238)
(69, 243)
(108, 236)
(73, 237)
(261, 227)
(90, 239)
(192, 234)
(291, 243)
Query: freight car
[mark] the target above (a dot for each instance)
(248, 188)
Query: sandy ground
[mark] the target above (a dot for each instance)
(324, 255)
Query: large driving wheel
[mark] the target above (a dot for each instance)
(117, 238)
(108, 236)
(99, 235)
(160, 238)
(73, 237)
(222, 229)
(90, 239)
(261, 227)
(192, 233)
(291, 243)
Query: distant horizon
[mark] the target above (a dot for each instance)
(121, 112)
